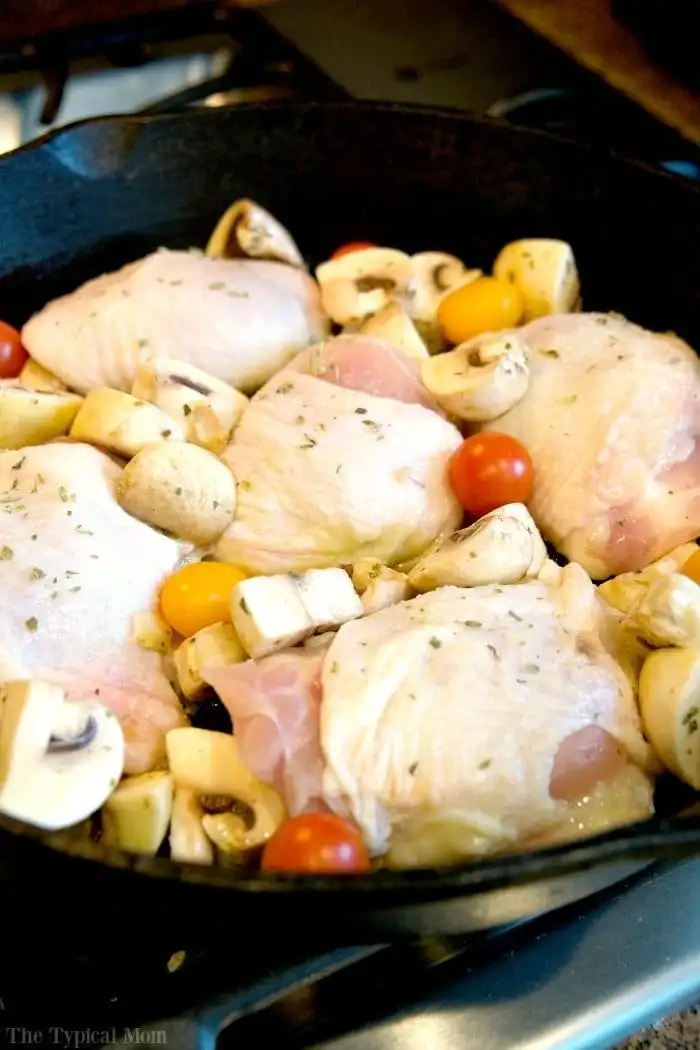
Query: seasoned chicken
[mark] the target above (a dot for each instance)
(340, 456)
(237, 319)
(457, 723)
(74, 568)
(612, 421)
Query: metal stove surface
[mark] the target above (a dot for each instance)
(580, 980)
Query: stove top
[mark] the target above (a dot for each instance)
(581, 979)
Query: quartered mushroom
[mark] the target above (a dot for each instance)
(481, 379)
(434, 275)
(393, 324)
(545, 272)
(59, 759)
(502, 547)
(248, 231)
(362, 283)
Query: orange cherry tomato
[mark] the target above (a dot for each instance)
(691, 568)
(489, 470)
(352, 246)
(485, 305)
(197, 595)
(318, 844)
(12, 354)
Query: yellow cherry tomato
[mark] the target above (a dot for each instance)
(197, 595)
(484, 305)
(691, 569)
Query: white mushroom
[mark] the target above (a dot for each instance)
(669, 698)
(363, 282)
(481, 379)
(136, 816)
(59, 759)
(179, 488)
(667, 613)
(246, 230)
(545, 272)
(500, 548)
(393, 324)
(122, 424)
(434, 275)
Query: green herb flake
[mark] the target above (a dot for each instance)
(412, 769)
(549, 353)
(20, 463)
(216, 286)
(436, 643)
(485, 763)
(245, 485)
(36, 574)
(471, 623)
(284, 388)
(64, 495)
(32, 623)
(494, 651)
(334, 667)
(178, 491)
(143, 343)
(531, 669)
(6, 553)
(514, 616)
(186, 410)
(243, 606)
(361, 411)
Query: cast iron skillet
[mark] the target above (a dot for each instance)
(96, 195)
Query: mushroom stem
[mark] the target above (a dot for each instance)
(74, 743)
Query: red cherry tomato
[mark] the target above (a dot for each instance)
(12, 353)
(352, 246)
(489, 470)
(318, 844)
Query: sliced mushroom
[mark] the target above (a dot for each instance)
(136, 816)
(481, 379)
(545, 272)
(624, 592)
(59, 759)
(393, 324)
(230, 833)
(434, 275)
(248, 231)
(151, 632)
(498, 548)
(363, 282)
(215, 646)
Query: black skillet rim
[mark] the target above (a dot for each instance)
(675, 836)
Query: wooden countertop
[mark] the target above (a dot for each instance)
(588, 32)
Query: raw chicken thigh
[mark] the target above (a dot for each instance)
(460, 722)
(340, 456)
(611, 420)
(74, 569)
(237, 319)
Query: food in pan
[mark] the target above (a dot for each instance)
(324, 501)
